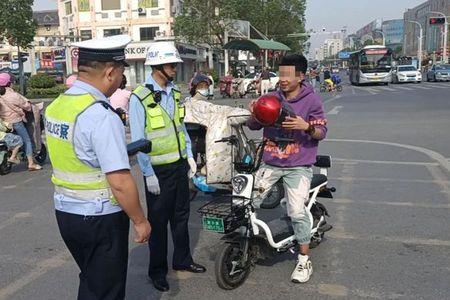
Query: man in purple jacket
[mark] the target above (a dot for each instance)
(292, 162)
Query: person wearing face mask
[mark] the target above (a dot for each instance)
(218, 119)
(157, 114)
(95, 194)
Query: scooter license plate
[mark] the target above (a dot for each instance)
(213, 224)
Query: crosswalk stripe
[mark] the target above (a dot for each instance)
(386, 88)
(404, 88)
(438, 86)
(423, 87)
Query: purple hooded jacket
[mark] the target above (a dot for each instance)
(307, 105)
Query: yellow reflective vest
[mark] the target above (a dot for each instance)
(166, 134)
(71, 176)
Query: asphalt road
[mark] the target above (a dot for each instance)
(391, 236)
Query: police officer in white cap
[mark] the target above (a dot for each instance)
(157, 114)
(95, 193)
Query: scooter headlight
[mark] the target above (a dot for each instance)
(239, 183)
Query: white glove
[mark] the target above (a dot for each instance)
(192, 167)
(153, 184)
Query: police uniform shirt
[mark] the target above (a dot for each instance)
(99, 141)
(137, 122)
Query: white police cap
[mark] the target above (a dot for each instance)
(108, 49)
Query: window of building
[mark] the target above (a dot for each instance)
(83, 5)
(68, 7)
(110, 32)
(86, 34)
(148, 3)
(110, 4)
(148, 33)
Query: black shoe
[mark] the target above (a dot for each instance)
(161, 284)
(193, 268)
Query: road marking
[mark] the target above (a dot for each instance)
(373, 91)
(422, 87)
(389, 203)
(437, 86)
(42, 267)
(385, 239)
(334, 98)
(384, 162)
(387, 88)
(437, 174)
(335, 110)
(18, 216)
(443, 162)
(404, 88)
(344, 178)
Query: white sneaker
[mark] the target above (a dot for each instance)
(303, 270)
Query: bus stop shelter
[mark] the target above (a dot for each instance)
(256, 45)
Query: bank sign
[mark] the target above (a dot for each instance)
(139, 51)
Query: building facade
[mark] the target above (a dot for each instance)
(393, 31)
(433, 36)
(146, 21)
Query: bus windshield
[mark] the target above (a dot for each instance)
(375, 60)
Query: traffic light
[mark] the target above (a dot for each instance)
(437, 21)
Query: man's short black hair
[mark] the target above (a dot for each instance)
(299, 61)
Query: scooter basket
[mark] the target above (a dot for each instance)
(222, 217)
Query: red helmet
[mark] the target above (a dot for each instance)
(267, 110)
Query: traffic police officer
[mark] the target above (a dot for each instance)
(156, 113)
(95, 193)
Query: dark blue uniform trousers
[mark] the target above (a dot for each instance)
(172, 205)
(99, 245)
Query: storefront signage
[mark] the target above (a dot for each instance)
(136, 50)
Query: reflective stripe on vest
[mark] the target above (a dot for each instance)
(71, 176)
(167, 135)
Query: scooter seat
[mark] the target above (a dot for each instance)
(317, 180)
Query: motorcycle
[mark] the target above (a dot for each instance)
(248, 239)
(325, 87)
(35, 127)
(237, 90)
(225, 86)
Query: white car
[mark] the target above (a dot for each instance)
(407, 73)
(251, 77)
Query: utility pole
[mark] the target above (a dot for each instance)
(419, 49)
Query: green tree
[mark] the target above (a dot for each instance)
(206, 21)
(18, 27)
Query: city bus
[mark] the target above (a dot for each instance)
(372, 64)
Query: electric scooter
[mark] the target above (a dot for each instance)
(248, 239)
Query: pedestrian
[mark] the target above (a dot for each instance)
(313, 76)
(12, 141)
(12, 107)
(292, 162)
(211, 86)
(121, 97)
(95, 193)
(157, 113)
(265, 81)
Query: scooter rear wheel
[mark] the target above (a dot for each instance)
(5, 166)
(229, 253)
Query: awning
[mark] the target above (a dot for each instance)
(255, 45)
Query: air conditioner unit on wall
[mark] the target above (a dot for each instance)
(160, 33)
(142, 11)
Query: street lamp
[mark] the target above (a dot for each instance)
(419, 50)
(444, 54)
(382, 33)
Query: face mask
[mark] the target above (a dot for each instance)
(203, 92)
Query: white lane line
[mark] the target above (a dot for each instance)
(384, 162)
(437, 86)
(334, 98)
(418, 204)
(404, 88)
(387, 88)
(13, 219)
(373, 91)
(335, 110)
(43, 267)
(372, 179)
(422, 87)
(443, 162)
(389, 239)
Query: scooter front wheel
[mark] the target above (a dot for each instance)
(231, 270)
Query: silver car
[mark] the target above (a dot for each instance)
(439, 72)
